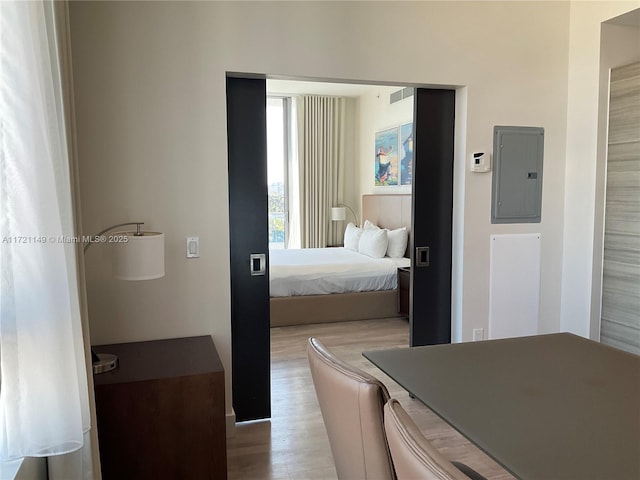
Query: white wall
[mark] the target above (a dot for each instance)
(580, 280)
(376, 114)
(150, 96)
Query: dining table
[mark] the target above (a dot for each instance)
(545, 407)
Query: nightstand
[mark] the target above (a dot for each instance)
(161, 413)
(404, 279)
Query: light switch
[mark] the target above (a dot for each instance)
(193, 247)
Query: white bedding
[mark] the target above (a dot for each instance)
(320, 271)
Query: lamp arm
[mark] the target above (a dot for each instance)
(102, 232)
(352, 212)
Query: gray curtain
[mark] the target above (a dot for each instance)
(321, 147)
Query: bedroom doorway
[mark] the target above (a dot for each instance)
(432, 219)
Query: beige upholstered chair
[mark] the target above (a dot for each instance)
(352, 403)
(413, 456)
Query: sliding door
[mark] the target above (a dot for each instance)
(248, 231)
(432, 210)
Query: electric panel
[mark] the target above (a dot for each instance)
(517, 174)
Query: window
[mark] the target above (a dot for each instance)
(277, 171)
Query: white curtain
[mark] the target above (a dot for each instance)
(321, 152)
(293, 181)
(44, 403)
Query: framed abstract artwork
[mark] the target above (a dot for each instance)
(386, 158)
(405, 147)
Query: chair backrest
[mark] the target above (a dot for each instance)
(413, 456)
(351, 402)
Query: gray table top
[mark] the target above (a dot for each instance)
(545, 407)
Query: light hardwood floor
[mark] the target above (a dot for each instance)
(293, 444)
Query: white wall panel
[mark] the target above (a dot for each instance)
(514, 285)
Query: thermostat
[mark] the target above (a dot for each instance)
(481, 162)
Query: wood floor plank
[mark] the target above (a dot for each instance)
(293, 445)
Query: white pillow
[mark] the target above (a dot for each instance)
(370, 225)
(352, 236)
(373, 243)
(397, 242)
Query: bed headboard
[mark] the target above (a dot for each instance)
(388, 211)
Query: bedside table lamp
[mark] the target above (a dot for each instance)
(339, 213)
(137, 255)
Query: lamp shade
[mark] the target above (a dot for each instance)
(140, 258)
(338, 213)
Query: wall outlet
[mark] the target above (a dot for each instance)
(478, 334)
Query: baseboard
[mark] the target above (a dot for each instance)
(231, 424)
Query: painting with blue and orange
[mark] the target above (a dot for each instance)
(386, 163)
(406, 153)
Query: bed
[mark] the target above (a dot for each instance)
(328, 271)
(307, 286)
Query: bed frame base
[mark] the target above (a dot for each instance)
(341, 307)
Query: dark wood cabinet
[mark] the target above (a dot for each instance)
(404, 277)
(161, 413)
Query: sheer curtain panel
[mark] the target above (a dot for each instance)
(44, 407)
(293, 190)
(321, 147)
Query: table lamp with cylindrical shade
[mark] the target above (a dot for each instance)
(137, 255)
(339, 213)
